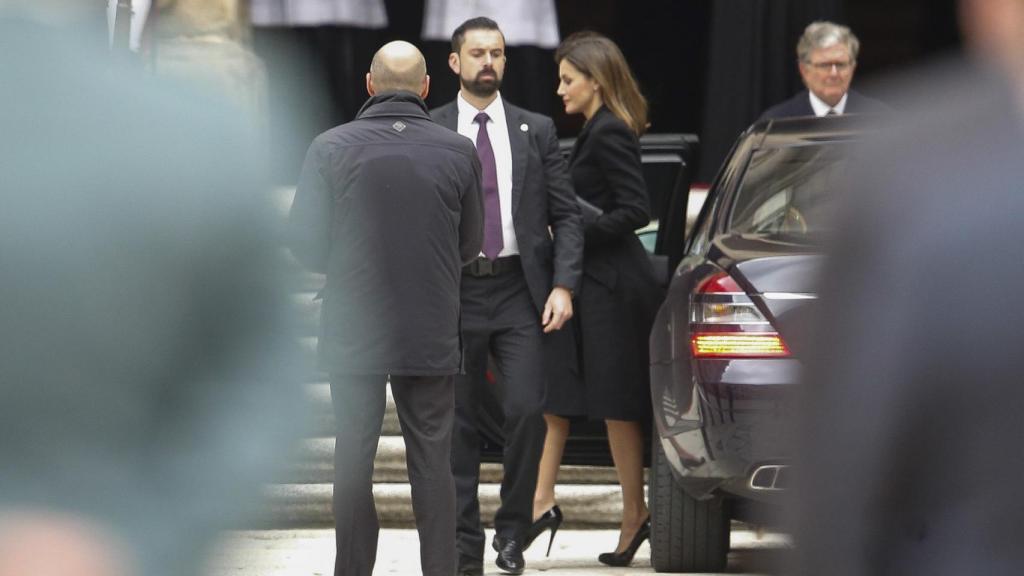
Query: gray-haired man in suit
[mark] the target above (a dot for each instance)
(827, 58)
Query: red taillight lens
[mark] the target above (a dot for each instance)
(725, 323)
(720, 283)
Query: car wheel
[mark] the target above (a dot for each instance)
(687, 535)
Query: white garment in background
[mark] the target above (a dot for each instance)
(523, 22)
(356, 13)
(140, 11)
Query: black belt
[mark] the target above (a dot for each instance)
(487, 267)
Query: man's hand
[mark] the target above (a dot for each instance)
(557, 310)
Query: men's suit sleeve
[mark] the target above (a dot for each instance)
(618, 152)
(563, 212)
(310, 216)
(471, 222)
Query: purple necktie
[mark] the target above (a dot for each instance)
(493, 242)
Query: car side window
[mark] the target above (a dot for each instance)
(791, 191)
(702, 228)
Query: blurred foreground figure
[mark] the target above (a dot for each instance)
(144, 378)
(914, 409)
(389, 207)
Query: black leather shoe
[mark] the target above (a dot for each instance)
(470, 568)
(625, 557)
(510, 555)
(550, 520)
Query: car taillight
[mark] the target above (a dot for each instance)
(725, 323)
(737, 345)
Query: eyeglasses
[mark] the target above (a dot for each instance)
(827, 66)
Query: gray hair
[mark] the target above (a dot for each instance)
(823, 34)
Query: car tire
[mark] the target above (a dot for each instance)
(687, 535)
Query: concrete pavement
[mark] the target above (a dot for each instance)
(311, 553)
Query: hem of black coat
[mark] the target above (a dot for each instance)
(594, 417)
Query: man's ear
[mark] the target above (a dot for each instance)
(369, 85)
(425, 89)
(454, 63)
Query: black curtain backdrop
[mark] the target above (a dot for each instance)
(708, 67)
(664, 42)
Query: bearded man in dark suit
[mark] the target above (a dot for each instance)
(519, 289)
(827, 57)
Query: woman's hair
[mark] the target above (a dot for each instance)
(601, 60)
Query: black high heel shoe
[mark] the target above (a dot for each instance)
(626, 556)
(551, 519)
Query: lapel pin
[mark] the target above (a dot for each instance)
(524, 127)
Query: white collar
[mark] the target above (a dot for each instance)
(821, 109)
(495, 110)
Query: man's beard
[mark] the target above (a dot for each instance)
(482, 86)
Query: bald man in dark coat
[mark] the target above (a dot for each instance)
(389, 207)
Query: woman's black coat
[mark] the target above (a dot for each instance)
(619, 295)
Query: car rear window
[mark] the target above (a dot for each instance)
(790, 191)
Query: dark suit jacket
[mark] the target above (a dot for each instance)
(389, 207)
(542, 197)
(800, 105)
(914, 409)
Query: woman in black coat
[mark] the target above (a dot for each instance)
(617, 300)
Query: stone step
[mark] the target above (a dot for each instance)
(305, 307)
(307, 357)
(309, 505)
(312, 462)
(297, 278)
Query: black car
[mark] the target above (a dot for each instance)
(726, 344)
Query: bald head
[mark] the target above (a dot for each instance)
(398, 65)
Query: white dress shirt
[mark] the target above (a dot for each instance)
(497, 131)
(821, 109)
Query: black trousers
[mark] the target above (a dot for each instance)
(498, 318)
(425, 411)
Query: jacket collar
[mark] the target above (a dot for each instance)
(396, 103)
(597, 118)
